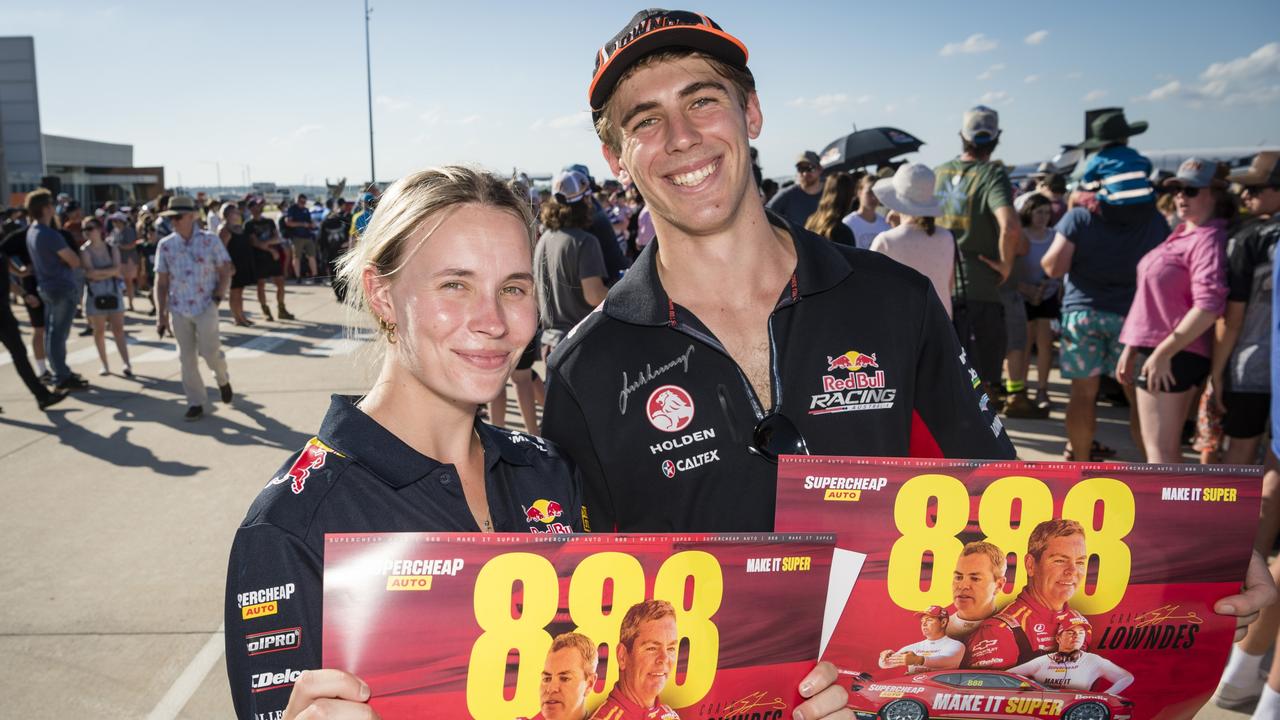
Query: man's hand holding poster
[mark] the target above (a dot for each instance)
(1039, 590)
(606, 626)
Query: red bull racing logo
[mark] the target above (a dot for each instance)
(311, 458)
(670, 408)
(545, 512)
(858, 388)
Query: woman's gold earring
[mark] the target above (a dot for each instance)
(389, 328)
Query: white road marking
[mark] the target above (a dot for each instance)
(189, 681)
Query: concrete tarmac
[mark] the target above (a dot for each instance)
(118, 516)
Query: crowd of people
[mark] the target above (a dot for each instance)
(63, 263)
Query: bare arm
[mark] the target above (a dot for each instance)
(594, 291)
(1012, 244)
(69, 257)
(225, 271)
(162, 302)
(1225, 337)
(1057, 259)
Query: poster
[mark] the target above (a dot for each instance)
(1021, 589)
(478, 625)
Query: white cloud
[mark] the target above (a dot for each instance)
(1075, 75)
(822, 104)
(1036, 37)
(392, 104)
(1093, 95)
(995, 96)
(470, 119)
(305, 130)
(1031, 79)
(992, 70)
(864, 99)
(975, 43)
(432, 116)
(890, 108)
(1248, 80)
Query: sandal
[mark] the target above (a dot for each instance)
(1101, 450)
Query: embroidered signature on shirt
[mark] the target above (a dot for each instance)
(649, 374)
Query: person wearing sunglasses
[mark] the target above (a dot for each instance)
(1181, 293)
(799, 201)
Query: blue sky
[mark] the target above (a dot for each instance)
(277, 90)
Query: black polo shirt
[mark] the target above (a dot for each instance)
(355, 476)
(659, 417)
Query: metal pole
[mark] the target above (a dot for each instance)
(368, 69)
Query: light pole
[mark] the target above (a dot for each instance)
(368, 70)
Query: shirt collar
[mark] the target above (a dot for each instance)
(347, 429)
(639, 297)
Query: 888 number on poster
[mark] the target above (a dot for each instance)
(932, 510)
(691, 581)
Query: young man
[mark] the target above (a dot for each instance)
(736, 337)
(799, 201)
(978, 209)
(301, 231)
(567, 264)
(54, 263)
(193, 273)
(937, 651)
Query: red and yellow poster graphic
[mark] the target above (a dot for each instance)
(571, 626)
(1027, 590)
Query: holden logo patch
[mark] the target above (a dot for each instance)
(670, 408)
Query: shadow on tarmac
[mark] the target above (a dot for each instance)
(114, 448)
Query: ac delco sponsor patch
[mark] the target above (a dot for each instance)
(262, 682)
(312, 457)
(670, 408)
(264, 602)
(273, 641)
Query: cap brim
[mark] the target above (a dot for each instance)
(1249, 176)
(716, 43)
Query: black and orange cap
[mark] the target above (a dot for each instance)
(657, 29)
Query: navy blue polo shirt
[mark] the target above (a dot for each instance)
(356, 476)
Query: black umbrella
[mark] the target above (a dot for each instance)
(874, 146)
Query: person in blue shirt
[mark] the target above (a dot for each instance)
(55, 264)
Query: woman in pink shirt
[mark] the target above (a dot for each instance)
(1182, 291)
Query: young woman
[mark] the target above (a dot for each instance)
(104, 293)
(1039, 291)
(1182, 291)
(122, 238)
(916, 241)
(240, 247)
(444, 270)
(837, 198)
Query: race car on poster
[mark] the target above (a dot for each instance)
(988, 694)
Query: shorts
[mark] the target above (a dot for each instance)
(1048, 309)
(36, 314)
(1189, 369)
(1247, 413)
(304, 247)
(1015, 320)
(1090, 343)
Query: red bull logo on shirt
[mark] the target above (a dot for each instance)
(545, 512)
(312, 457)
(860, 389)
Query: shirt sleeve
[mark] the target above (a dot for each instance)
(1000, 193)
(273, 621)
(1207, 264)
(564, 423)
(162, 264)
(960, 418)
(591, 260)
(1240, 266)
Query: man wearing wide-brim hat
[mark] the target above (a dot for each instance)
(1119, 172)
(193, 272)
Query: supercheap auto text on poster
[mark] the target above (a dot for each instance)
(1038, 590)
(513, 626)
